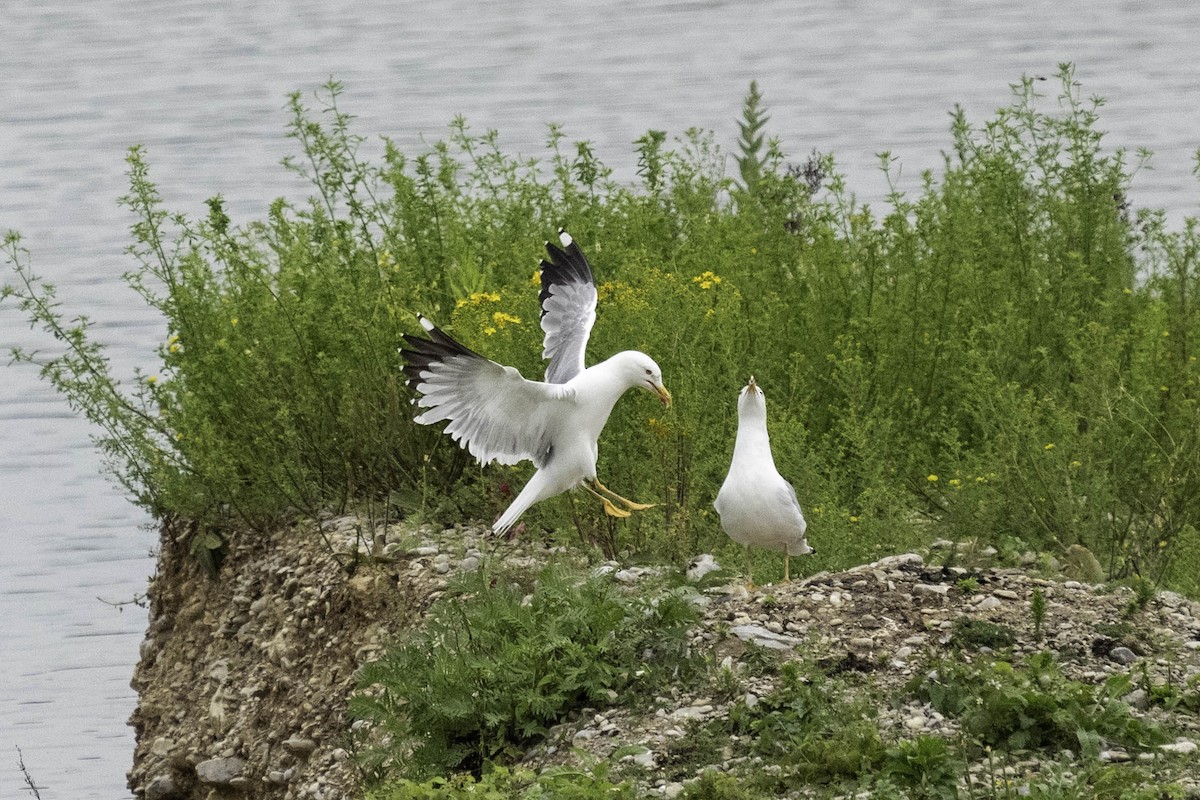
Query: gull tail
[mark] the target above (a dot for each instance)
(534, 491)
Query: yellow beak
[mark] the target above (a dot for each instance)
(663, 394)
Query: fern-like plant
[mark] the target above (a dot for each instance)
(750, 142)
(490, 671)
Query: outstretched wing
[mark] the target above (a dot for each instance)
(568, 301)
(494, 413)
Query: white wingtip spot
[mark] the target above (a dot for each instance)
(426, 324)
(565, 238)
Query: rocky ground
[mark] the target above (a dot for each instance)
(244, 679)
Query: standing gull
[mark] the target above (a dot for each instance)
(758, 508)
(497, 415)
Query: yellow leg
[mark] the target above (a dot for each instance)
(627, 503)
(786, 562)
(609, 508)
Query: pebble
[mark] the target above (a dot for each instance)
(702, 565)
(988, 603)
(298, 745)
(1006, 594)
(1182, 747)
(220, 771)
(764, 638)
(691, 712)
(1122, 655)
(672, 790)
(932, 588)
(915, 723)
(425, 550)
(163, 787)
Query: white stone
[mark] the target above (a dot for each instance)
(765, 638)
(1183, 747)
(701, 566)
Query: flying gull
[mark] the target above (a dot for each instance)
(758, 508)
(497, 415)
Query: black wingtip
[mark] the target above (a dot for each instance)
(564, 265)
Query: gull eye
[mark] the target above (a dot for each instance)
(648, 371)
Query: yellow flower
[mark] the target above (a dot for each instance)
(980, 479)
(501, 319)
(932, 478)
(489, 330)
(536, 280)
(1166, 333)
(478, 299)
(955, 482)
(853, 518)
(753, 251)
(234, 322)
(707, 279)
(1163, 389)
(1127, 291)
(1076, 464)
(174, 348)
(1049, 446)
(173, 338)
(179, 437)
(153, 379)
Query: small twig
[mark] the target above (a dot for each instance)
(138, 600)
(28, 778)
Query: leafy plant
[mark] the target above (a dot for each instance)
(971, 633)
(809, 727)
(1037, 610)
(925, 766)
(489, 673)
(1035, 707)
(501, 783)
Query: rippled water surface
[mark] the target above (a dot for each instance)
(202, 85)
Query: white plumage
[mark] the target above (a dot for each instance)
(498, 415)
(758, 508)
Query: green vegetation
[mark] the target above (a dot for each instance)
(1037, 707)
(972, 634)
(504, 784)
(810, 728)
(1010, 351)
(489, 673)
(1037, 611)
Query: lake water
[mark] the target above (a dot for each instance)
(202, 85)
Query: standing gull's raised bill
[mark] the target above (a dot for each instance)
(757, 506)
(498, 415)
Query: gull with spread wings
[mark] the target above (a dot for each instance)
(498, 415)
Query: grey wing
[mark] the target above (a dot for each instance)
(493, 412)
(787, 495)
(568, 300)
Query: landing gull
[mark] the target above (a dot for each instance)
(498, 415)
(758, 508)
